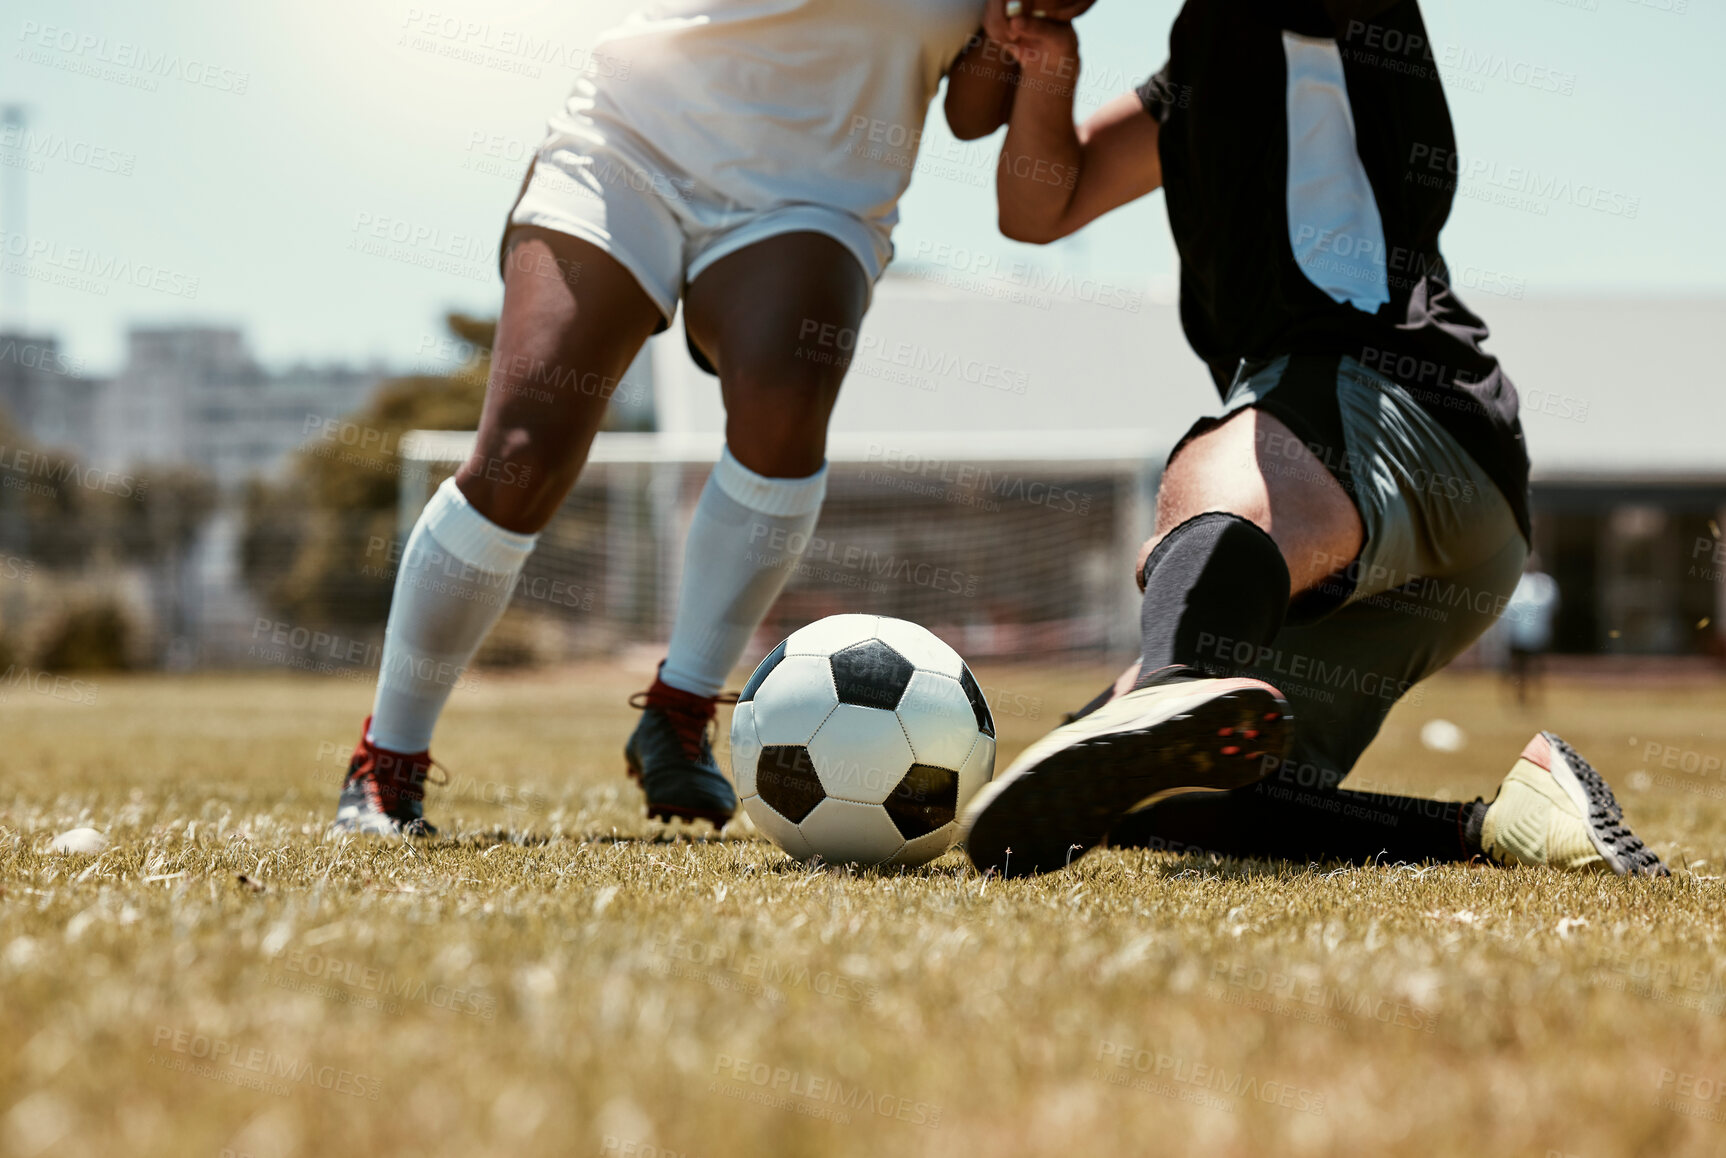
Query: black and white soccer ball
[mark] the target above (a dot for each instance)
(860, 739)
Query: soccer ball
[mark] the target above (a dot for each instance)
(860, 739)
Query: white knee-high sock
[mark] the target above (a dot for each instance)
(747, 537)
(457, 574)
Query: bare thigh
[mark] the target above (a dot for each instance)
(779, 320)
(573, 320)
(1254, 467)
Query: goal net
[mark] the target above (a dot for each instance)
(1009, 545)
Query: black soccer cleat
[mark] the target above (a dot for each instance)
(671, 756)
(384, 792)
(1063, 794)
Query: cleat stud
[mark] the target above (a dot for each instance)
(1225, 731)
(1232, 750)
(1272, 715)
(1250, 733)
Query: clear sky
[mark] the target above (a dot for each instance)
(232, 156)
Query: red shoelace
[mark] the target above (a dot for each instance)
(690, 714)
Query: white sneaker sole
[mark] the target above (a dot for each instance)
(1622, 850)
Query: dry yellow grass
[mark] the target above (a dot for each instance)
(560, 977)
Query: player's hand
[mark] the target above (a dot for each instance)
(1046, 48)
(1000, 16)
(1040, 10)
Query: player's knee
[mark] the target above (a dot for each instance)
(519, 480)
(1199, 482)
(777, 423)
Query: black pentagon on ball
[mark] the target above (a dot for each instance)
(979, 705)
(923, 801)
(786, 779)
(871, 674)
(764, 670)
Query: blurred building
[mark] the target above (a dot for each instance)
(1625, 412)
(194, 396)
(45, 392)
(190, 396)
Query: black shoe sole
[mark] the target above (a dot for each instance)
(1044, 817)
(1622, 849)
(660, 810)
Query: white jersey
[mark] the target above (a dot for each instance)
(777, 102)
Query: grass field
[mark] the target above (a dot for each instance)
(559, 976)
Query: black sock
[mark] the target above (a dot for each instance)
(1473, 821)
(1216, 590)
(1275, 820)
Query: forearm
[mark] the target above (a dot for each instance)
(980, 88)
(1040, 160)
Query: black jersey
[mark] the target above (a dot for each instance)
(1306, 150)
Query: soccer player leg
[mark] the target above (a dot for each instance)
(1341, 676)
(755, 315)
(1442, 556)
(1240, 529)
(563, 342)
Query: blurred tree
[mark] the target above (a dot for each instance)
(92, 636)
(318, 547)
(63, 516)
